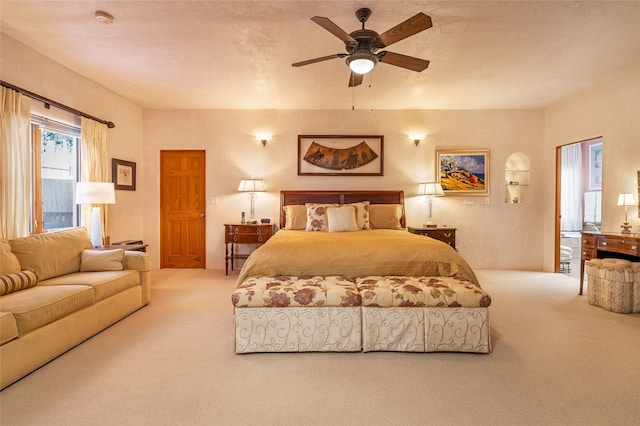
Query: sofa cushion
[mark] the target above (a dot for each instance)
(8, 327)
(105, 284)
(10, 283)
(41, 305)
(8, 261)
(101, 260)
(52, 254)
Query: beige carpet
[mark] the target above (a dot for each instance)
(556, 361)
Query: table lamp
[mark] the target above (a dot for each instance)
(95, 193)
(626, 200)
(430, 190)
(252, 186)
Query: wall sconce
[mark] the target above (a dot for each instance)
(264, 138)
(95, 193)
(430, 189)
(626, 200)
(252, 186)
(416, 137)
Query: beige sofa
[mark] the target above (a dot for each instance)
(56, 292)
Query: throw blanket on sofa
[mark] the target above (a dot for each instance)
(355, 254)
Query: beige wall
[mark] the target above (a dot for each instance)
(612, 111)
(489, 235)
(25, 68)
(497, 235)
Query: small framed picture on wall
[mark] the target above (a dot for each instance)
(123, 174)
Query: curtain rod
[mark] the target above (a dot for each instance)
(49, 102)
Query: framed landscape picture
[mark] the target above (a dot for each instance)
(463, 172)
(123, 174)
(324, 155)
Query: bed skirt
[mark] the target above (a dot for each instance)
(355, 329)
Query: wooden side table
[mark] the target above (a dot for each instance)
(235, 233)
(134, 247)
(446, 235)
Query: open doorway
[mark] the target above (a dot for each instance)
(578, 200)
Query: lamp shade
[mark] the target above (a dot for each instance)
(430, 188)
(95, 193)
(626, 200)
(251, 185)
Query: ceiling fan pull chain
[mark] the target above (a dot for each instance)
(371, 93)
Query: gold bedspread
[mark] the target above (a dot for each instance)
(355, 254)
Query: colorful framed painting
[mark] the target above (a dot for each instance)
(325, 155)
(595, 166)
(123, 174)
(463, 172)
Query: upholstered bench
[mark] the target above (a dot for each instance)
(297, 314)
(424, 314)
(614, 284)
(375, 313)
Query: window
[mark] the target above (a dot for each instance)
(55, 168)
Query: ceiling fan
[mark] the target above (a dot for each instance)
(362, 45)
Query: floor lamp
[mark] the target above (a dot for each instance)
(95, 193)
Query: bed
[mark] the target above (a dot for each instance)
(343, 274)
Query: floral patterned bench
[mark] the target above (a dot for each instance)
(374, 313)
(424, 314)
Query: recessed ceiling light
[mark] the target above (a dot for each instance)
(104, 17)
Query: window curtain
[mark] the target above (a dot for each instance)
(94, 164)
(571, 187)
(15, 165)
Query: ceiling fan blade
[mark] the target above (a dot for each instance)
(323, 58)
(355, 79)
(403, 61)
(328, 25)
(411, 26)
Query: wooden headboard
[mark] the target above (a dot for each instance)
(288, 198)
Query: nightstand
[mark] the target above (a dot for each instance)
(243, 234)
(446, 235)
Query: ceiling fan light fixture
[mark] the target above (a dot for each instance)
(362, 61)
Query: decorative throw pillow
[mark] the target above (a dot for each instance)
(102, 260)
(342, 219)
(317, 216)
(362, 214)
(10, 283)
(385, 216)
(9, 263)
(295, 217)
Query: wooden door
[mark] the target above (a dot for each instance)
(182, 209)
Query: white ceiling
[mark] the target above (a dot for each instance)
(238, 54)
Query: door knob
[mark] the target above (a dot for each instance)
(202, 215)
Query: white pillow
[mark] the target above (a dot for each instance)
(102, 260)
(342, 219)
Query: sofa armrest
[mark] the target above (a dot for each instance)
(140, 261)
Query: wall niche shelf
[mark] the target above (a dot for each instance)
(517, 176)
